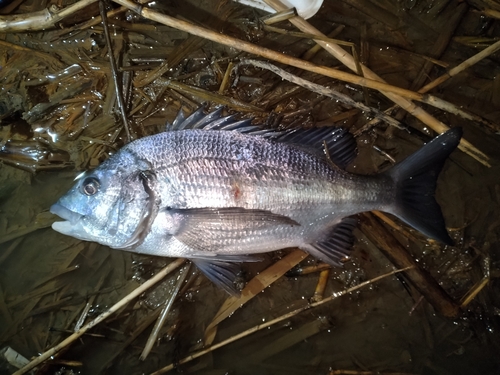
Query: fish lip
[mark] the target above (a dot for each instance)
(72, 225)
(66, 214)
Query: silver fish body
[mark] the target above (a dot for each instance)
(215, 196)
(236, 170)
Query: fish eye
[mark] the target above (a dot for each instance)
(90, 186)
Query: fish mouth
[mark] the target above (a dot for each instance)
(63, 212)
(72, 226)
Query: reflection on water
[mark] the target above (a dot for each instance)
(59, 121)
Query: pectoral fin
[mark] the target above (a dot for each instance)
(211, 229)
(230, 215)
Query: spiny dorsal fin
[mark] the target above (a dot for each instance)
(211, 121)
(340, 143)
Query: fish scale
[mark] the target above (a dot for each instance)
(217, 196)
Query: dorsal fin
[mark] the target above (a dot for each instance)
(197, 120)
(340, 143)
(211, 121)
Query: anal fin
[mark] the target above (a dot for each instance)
(338, 246)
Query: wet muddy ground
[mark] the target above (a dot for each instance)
(59, 116)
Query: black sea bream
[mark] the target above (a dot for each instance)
(216, 190)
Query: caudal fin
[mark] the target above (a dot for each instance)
(416, 179)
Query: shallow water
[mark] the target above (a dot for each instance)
(47, 280)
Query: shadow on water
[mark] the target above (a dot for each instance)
(50, 283)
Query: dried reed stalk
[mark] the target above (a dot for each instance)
(117, 306)
(114, 72)
(325, 91)
(276, 320)
(153, 337)
(400, 257)
(461, 67)
(397, 97)
(41, 20)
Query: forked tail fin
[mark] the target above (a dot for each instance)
(416, 179)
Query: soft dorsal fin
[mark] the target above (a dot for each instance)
(340, 143)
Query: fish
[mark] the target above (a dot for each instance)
(217, 190)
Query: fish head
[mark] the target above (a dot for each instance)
(105, 205)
